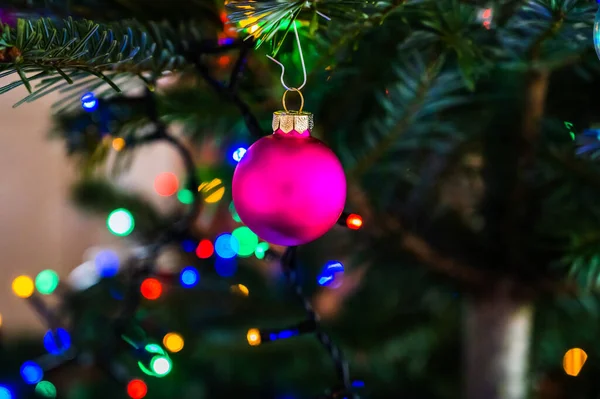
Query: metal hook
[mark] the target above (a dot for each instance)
(301, 60)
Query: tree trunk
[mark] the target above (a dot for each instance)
(497, 340)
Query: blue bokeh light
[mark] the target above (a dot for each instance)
(189, 277)
(283, 334)
(5, 393)
(331, 274)
(107, 263)
(229, 40)
(189, 245)
(225, 267)
(358, 384)
(57, 342)
(89, 102)
(31, 372)
(238, 154)
(227, 246)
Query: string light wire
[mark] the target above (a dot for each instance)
(142, 264)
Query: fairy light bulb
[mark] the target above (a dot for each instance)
(118, 144)
(31, 372)
(5, 393)
(23, 287)
(227, 246)
(107, 263)
(573, 361)
(151, 289)
(46, 282)
(120, 222)
(261, 250)
(89, 102)
(247, 241)
(185, 196)
(240, 289)
(189, 277)
(137, 389)
(205, 249)
(45, 389)
(253, 337)
(160, 365)
(238, 154)
(212, 191)
(57, 342)
(166, 184)
(354, 221)
(173, 342)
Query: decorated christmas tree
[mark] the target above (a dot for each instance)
(428, 230)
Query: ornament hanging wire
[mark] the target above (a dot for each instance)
(301, 60)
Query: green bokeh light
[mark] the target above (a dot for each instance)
(261, 250)
(120, 222)
(161, 365)
(234, 213)
(155, 348)
(46, 282)
(185, 196)
(45, 389)
(247, 239)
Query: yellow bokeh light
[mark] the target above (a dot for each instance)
(173, 342)
(23, 286)
(0, 320)
(243, 289)
(118, 144)
(573, 361)
(212, 191)
(240, 289)
(253, 337)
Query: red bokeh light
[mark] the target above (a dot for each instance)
(487, 13)
(205, 249)
(151, 288)
(223, 16)
(224, 60)
(166, 184)
(137, 389)
(354, 221)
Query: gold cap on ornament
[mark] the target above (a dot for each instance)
(287, 120)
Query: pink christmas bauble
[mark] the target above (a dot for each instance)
(289, 188)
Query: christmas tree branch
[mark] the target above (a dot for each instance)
(74, 50)
(439, 263)
(230, 91)
(418, 90)
(273, 17)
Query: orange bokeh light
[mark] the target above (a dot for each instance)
(354, 221)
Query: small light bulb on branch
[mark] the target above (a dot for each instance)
(256, 337)
(350, 220)
(253, 337)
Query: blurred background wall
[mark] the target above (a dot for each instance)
(39, 228)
